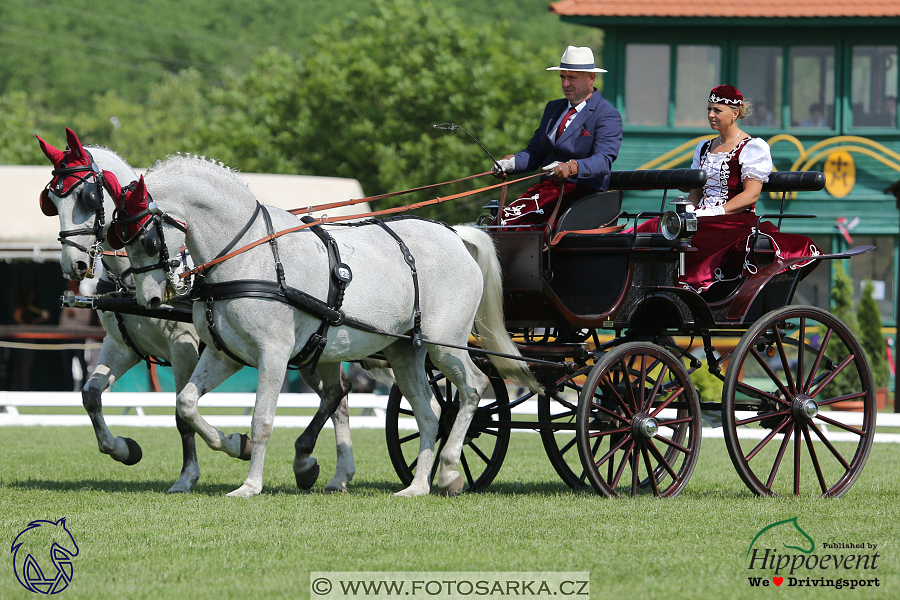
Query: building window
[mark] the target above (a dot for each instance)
(759, 79)
(699, 69)
(647, 84)
(874, 86)
(815, 288)
(812, 86)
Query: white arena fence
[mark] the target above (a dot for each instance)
(127, 409)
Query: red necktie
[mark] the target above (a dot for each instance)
(562, 124)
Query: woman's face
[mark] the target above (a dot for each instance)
(721, 116)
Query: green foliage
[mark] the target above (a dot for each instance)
(708, 385)
(847, 381)
(18, 145)
(870, 336)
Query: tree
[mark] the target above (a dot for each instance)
(846, 382)
(363, 100)
(870, 335)
(18, 145)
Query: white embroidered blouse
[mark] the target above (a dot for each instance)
(751, 156)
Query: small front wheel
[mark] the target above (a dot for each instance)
(638, 423)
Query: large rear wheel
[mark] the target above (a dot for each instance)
(787, 388)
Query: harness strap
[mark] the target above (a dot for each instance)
(411, 261)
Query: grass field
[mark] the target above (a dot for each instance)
(137, 542)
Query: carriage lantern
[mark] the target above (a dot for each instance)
(680, 225)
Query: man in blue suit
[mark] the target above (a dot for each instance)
(575, 145)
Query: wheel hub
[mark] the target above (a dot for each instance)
(804, 408)
(644, 426)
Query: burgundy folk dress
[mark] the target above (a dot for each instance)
(723, 241)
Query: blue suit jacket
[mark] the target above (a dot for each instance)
(592, 139)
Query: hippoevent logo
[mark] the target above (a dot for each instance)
(42, 556)
(783, 554)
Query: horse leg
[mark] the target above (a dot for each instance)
(332, 385)
(183, 361)
(409, 371)
(212, 369)
(268, 386)
(458, 367)
(114, 360)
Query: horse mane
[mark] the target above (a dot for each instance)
(191, 164)
(111, 151)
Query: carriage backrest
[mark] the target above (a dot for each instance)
(591, 212)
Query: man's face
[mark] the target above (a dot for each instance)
(576, 85)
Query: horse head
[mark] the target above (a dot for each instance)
(152, 239)
(76, 195)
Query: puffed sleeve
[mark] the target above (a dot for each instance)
(695, 164)
(756, 161)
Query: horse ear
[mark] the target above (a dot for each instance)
(50, 152)
(75, 144)
(112, 184)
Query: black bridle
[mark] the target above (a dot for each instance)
(90, 194)
(151, 234)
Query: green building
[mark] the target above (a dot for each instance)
(823, 78)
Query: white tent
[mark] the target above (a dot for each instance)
(27, 233)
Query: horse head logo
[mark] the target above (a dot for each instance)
(38, 540)
(787, 529)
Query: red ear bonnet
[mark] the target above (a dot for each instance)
(74, 156)
(132, 201)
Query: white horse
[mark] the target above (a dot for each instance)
(85, 209)
(241, 303)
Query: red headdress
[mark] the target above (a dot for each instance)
(131, 213)
(726, 94)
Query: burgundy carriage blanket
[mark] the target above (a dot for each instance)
(723, 249)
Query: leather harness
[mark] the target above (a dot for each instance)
(328, 311)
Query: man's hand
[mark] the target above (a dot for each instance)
(503, 166)
(559, 172)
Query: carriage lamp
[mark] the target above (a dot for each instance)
(679, 224)
(493, 208)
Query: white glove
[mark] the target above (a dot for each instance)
(504, 165)
(711, 211)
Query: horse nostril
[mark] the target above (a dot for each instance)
(153, 303)
(80, 269)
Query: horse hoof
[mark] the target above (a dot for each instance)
(454, 489)
(246, 448)
(336, 488)
(134, 452)
(307, 479)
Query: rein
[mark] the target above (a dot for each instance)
(322, 221)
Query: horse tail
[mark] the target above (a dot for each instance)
(490, 325)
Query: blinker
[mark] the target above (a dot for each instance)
(47, 206)
(151, 241)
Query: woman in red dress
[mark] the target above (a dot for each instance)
(737, 165)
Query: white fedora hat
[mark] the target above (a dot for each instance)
(577, 59)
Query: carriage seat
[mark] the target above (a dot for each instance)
(591, 212)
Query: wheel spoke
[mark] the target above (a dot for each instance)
(406, 411)
(801, 352)
(663, 461)
(829, 445)
(815, 460)
(797, 443)
(779, 343)
(465, 465)
(669, 442)
(861, 394)
(841, 425)
(772, 376)
(625, 459)
(819, 356)
(601, 433)
(832, 375)
(668, 401)
(766, 440)
(409, 438)
(671, 422)
(480, 454)
(611, 413)
(761, 417)
(642, 389)
(635, 478)
(650, 470)
(613, 450)
(655, 391)
(629, 389)
(779, 456)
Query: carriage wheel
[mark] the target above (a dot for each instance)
(638, 422)
(560, 444)
(777, 389)
(485, 444)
